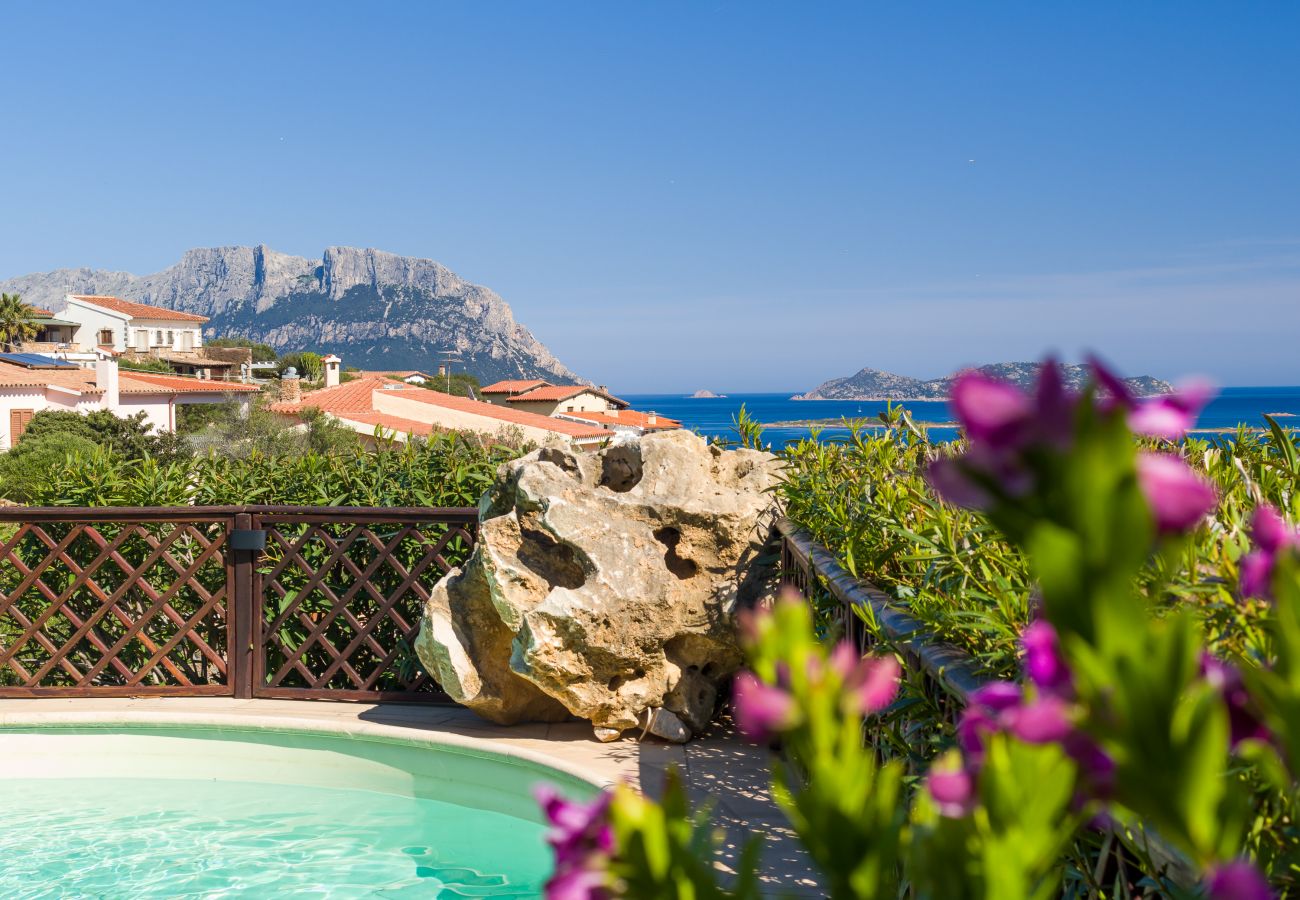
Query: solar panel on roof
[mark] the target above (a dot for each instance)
(35, 361)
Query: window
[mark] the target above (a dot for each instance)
(18, 422)
(106, 337)
(171, 338)
(158, 336)
(568, 409)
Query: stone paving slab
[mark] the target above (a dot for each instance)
(719, 767)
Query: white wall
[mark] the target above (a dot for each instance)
(91, 319)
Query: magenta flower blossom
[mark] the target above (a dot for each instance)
(1225, 678)
(872, 684)
(1096, 767)
(1173, 415)
(991, 411)
(952, 787)
(1045, 720)
(1002, 423)
(1044, 664)
(988, 710)
(1272, 536)
(1237, 880)
(1179, 498)
(583, 841)
(761, 710)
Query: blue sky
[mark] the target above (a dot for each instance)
(731, 196)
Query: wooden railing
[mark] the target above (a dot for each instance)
(291, 602)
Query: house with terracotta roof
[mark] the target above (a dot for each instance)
(99, 323)
(31, 383)
(400, 410)
(575, 403)
(548, 399)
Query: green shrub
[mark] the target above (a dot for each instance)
(27, 472)
(129, 437)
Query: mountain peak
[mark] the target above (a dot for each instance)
(400, 312)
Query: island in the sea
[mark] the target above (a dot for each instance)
(873, 384)
(706, 395)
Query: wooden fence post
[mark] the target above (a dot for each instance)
(243, 604)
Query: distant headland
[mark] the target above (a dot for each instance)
(873, 384)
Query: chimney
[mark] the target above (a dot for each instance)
(106, 380)
(290, 388)
(332, 364)
(442, 370)
(652, 419)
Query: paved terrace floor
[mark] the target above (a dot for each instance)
(718, 766)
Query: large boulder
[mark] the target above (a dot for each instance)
(604, 586)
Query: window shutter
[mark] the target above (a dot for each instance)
(18, 421)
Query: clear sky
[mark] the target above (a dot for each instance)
(731, 196)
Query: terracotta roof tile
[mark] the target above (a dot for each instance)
(357, 397)
(138, 310)
(148, 383)
(81, 380)
(557, 392)
(628, 417)
(513, 387)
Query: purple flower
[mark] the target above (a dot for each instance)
(950, 481)
(1046, 720)
(1272, 535)
(997, 696)
(987, 711)
(1225, 678)
(1096, 767)
(1112, 386)
(991, 411)
(1044, 664)
(761, 710)
(1173, 415)
(1179, 498)
(1237, 880)
(577, 884)
(583, 842)
(873, 683)
(952, 787)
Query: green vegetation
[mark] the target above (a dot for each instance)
(307, 364)
(161, 366)
(462, 384)
(865, 497)
(17, 321)
(129, 438)
(261, 352)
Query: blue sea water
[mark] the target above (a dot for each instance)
(713, 417)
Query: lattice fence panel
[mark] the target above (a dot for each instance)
(341, 602)
(113, 606)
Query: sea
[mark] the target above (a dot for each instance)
(714, 417)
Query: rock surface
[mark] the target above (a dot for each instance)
(874, 384)
(604, 585)
(376, 310)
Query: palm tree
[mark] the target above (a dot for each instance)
(17, 321)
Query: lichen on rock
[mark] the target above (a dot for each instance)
(604, 585)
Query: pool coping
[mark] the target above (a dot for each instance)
(353, 728)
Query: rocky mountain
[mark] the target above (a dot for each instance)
(873, 384)
(376, 310)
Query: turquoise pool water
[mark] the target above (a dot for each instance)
(159, 813)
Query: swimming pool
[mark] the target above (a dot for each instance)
(152, 810)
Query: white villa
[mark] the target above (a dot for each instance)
(30, 384)
(82, 326)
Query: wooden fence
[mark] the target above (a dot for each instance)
(254, 601)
